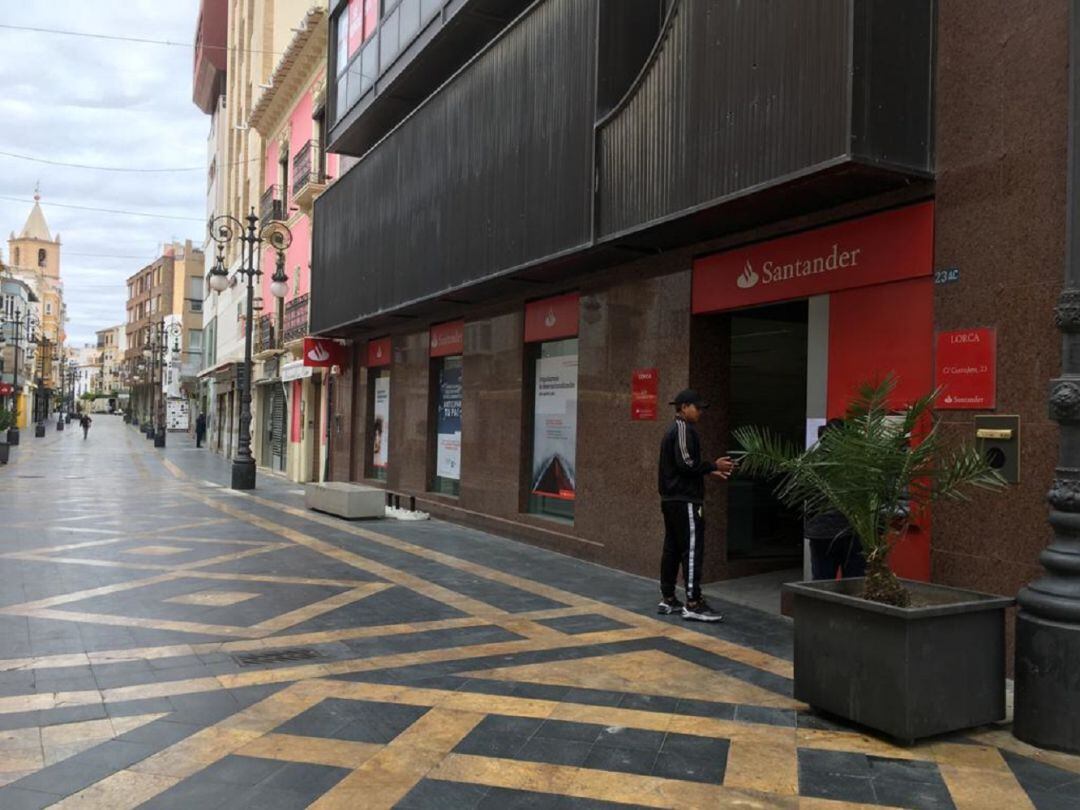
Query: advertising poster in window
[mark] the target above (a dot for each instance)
(555, 431)
(448, 450)
(380, 428)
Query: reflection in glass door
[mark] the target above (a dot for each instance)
(768, 388)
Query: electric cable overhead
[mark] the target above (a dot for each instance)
(139, 40)
(73, 165)
(107, 210)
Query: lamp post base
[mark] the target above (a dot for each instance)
(60, 423)
(13, 435)
(243, 474)
(159, 438)
(1047, 711)
(39, 430)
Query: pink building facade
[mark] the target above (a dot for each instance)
(289, 433)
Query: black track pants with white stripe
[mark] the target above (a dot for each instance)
(684, 536)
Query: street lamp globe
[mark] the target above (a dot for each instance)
(218, 281)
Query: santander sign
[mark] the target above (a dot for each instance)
(885, 247)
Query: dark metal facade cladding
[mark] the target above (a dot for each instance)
(738, 94)
(490, 173)
(704, 111)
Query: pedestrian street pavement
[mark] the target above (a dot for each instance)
(167, 642)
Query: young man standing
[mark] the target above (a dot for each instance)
(682, 473)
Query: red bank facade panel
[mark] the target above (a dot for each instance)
(878, 274)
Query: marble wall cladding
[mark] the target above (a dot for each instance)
(642, 323)
(1000, 203)
(409, 405)
(491, 414)
(341, 418)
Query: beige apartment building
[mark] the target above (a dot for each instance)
(163, 335)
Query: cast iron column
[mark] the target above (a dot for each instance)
(159, 436)
(243, 469)
(1047, 705)
(224, 229)
(13, 431)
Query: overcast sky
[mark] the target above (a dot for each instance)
(102, 103)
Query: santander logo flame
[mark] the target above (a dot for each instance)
(747, 278)
(319, 354)
(549, 321)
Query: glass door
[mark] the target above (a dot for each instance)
(768, 389)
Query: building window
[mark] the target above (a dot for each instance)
(378, 400)
(16, 257)
(447, 390)
(41, 256)
(195, 340)
(551, 328)
(48, 308)
(552, 471)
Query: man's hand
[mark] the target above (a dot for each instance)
(725, 465)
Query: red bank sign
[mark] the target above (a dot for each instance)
(445, 339)
(322, 353)
(644, 398)
(966, 369)
(551, 318)
(877, 249)
(378, 353)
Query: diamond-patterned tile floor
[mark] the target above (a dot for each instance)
(165, 642)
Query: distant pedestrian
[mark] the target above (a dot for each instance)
(85, 421)
(200, 430)
(682, 472)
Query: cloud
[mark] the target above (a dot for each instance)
(104, 103)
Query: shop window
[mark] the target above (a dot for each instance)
(447, 395)
(552, 475)
(377, 459)
(378, 423)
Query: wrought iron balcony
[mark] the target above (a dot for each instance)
(270, 206)
(296, 318)
(263, 338)
(309, 174)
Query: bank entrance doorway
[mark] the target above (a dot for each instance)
(768, 388)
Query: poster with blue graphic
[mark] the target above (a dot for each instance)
(448, 451)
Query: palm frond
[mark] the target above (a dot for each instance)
(878, 465)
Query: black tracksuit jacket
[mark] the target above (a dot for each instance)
(682, 470)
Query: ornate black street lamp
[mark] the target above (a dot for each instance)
(20, 321)
(1047, 697)
(158, 348)
(223, 230)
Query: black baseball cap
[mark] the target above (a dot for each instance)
(688, 396)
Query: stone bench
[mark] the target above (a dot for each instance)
(350, 501)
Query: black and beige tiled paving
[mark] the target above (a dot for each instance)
(166, 642)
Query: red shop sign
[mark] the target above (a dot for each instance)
(966, 369)
(877, 249)
(551, 318)
(378, 352)
(322, 352)
(643, 394)
(6, 389)
(446, 339)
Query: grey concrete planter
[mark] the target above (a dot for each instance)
(908, 672)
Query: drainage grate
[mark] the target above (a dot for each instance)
(29, 476)
(277, 656)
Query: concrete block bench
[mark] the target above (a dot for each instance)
(350, 501)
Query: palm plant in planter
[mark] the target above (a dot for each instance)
(877, 469)
(911, 659)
